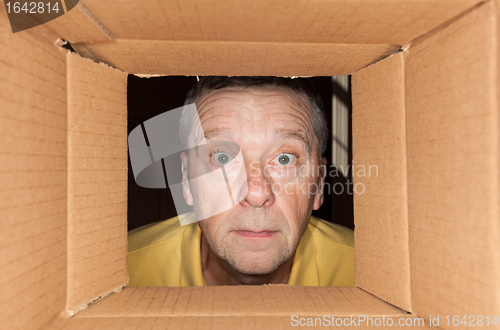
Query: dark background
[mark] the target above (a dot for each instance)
(148, 97)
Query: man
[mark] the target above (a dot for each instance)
(268, 236)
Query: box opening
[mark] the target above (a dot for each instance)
(148, 97)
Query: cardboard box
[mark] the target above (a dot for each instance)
(425, 111)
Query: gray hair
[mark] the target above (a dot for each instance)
(298, 85)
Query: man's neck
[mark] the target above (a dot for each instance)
(218, 272)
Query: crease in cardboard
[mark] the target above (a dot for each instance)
(94, 20)
(441, 27)
(388, 303)
(397, 51)
(405, 158)
(72, 312)
(432, 32)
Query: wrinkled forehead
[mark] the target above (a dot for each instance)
(279, 98)
(260, 109)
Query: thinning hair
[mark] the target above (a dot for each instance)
(298, 85)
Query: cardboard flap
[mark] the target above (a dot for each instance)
(453, 139)
(240, 322)
(238, 307)
(379, 175)
(276, 300)
(97, 180)
(235, 58)
(395, 22)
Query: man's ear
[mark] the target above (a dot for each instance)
(319, 197)
(186, 191)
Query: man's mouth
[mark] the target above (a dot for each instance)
(255, 234)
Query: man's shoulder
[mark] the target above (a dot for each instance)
(155, 234)
(331, 233)
(334, 247)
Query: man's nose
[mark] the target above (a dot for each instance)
(260, 192)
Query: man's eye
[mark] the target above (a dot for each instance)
(222, 158)
(284, 159)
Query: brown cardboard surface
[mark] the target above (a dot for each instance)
(33, 184)
(97, 181)
(63, 156)
(235, 58)
(206, 322)
(453, 168)
(276, 300)
(395, 22)
(380, 213)
(232, 307)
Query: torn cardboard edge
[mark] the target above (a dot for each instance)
(145, 75)
(64, 45)
(72, 312)
(69, 48)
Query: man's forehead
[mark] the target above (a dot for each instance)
(274, 103)
(253, 95)
(280, 113)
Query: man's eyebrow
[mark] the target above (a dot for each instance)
(295, 134)
(215, 132)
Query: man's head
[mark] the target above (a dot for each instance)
(279, 126)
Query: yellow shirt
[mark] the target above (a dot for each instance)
(168, 254)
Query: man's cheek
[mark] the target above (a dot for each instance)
(297, 196)
(298, 187)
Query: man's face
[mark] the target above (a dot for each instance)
(273, 129)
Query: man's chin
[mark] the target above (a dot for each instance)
(255, 263)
